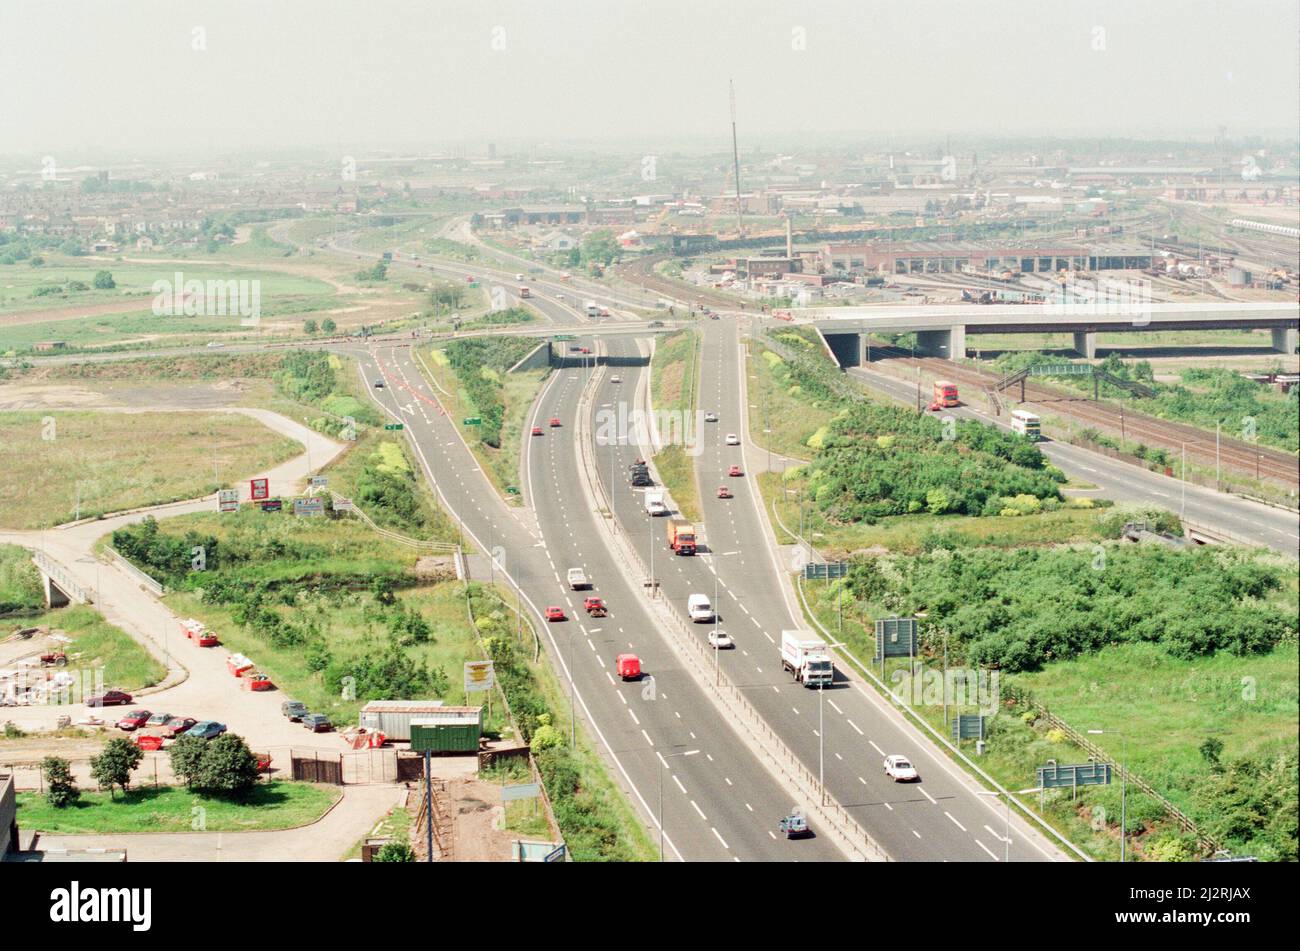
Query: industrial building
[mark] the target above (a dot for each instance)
(935, 257)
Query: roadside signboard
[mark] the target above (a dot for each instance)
(895, 637)
(259, 489)
(313, 505)
(1081, 774)
(564, 337)
(968, 726)
(272, 505)
(523, 791)
(825, 571)
(478, 675)
(319, 482)
(473, 420)
(228, 500)
(393, 426)
(343, 505)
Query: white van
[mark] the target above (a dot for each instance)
(699, 608)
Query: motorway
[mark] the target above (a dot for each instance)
(1128, 484)
(720, 804)
(942, 818)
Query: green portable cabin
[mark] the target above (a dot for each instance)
(452, 730)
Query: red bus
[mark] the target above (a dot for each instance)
(945, 393)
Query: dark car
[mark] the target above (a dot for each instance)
(317, 722)
(134, 720)
(110, 698)
(294, 709)
(178, 725)
(206, 729)
(379, 384)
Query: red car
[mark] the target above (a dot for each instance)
(735, 471)
(555, 421)
(724, 492)
(134, 720)
(537, 430)
(177, 725)
(555, 614)
(110, 698)
(935, 407)
(629, 666)
(595, 607)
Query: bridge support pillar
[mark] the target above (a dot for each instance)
(1086, 344)
(950, 343)
(54, 596)
(1284, 339)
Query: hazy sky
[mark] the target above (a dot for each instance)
(249, 75)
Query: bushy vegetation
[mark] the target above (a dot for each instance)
(1020, 609)
(1249, 803)
(20, 582)
(312, 377)
(878, 460)
(479, 364)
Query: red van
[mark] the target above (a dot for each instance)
(629, 666)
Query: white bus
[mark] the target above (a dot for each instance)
(1026, 424)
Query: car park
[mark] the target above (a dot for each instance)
(733, 439)
(134, 720)
(157, 719)
(294, 709)
(900, 769)
(206, 729)
(735, 471)
(317, 723)
(554, 613)
(110, 698)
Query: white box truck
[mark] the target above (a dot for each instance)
(578, 579)
(592, 309)
(807, 657)
(699, 608)
(654, 503)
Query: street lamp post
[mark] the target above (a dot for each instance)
(1123, 793)
(1006, 838)
(664, 768)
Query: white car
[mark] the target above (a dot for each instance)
(616, 379)
(215, 343)
(900, 769)
(710, 417)
(733, 439)
(720, 640)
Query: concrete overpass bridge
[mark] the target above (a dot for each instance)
(941, 330)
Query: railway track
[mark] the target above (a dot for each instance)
(1257, 461)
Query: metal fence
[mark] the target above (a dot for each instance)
(148, 582)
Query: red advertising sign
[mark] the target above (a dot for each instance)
(259, 489)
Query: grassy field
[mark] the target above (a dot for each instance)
(778, 418)
(123, 461)
(20, 582)
(272, 805)
(674, 386)
(99, 646)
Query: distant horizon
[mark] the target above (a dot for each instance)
(239, 77)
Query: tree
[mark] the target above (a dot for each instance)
(395, 852)
(37, 261)
(112, 767)
(309, 326)
(228, 767)
(60, 790)
(186, 756)
(72, 246)
(104, 281)
(1211, 750)
(328, 325)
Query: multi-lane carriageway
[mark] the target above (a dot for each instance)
(942, 818)
(720, 803)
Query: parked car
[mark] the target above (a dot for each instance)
(110, 698)
(294, 709)
(206, 729)
(157, 719)
(733, 439)
(735, 471)
(134, 720)
(555, 614)
(317, 722)
(178, 725)
(900, 770)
